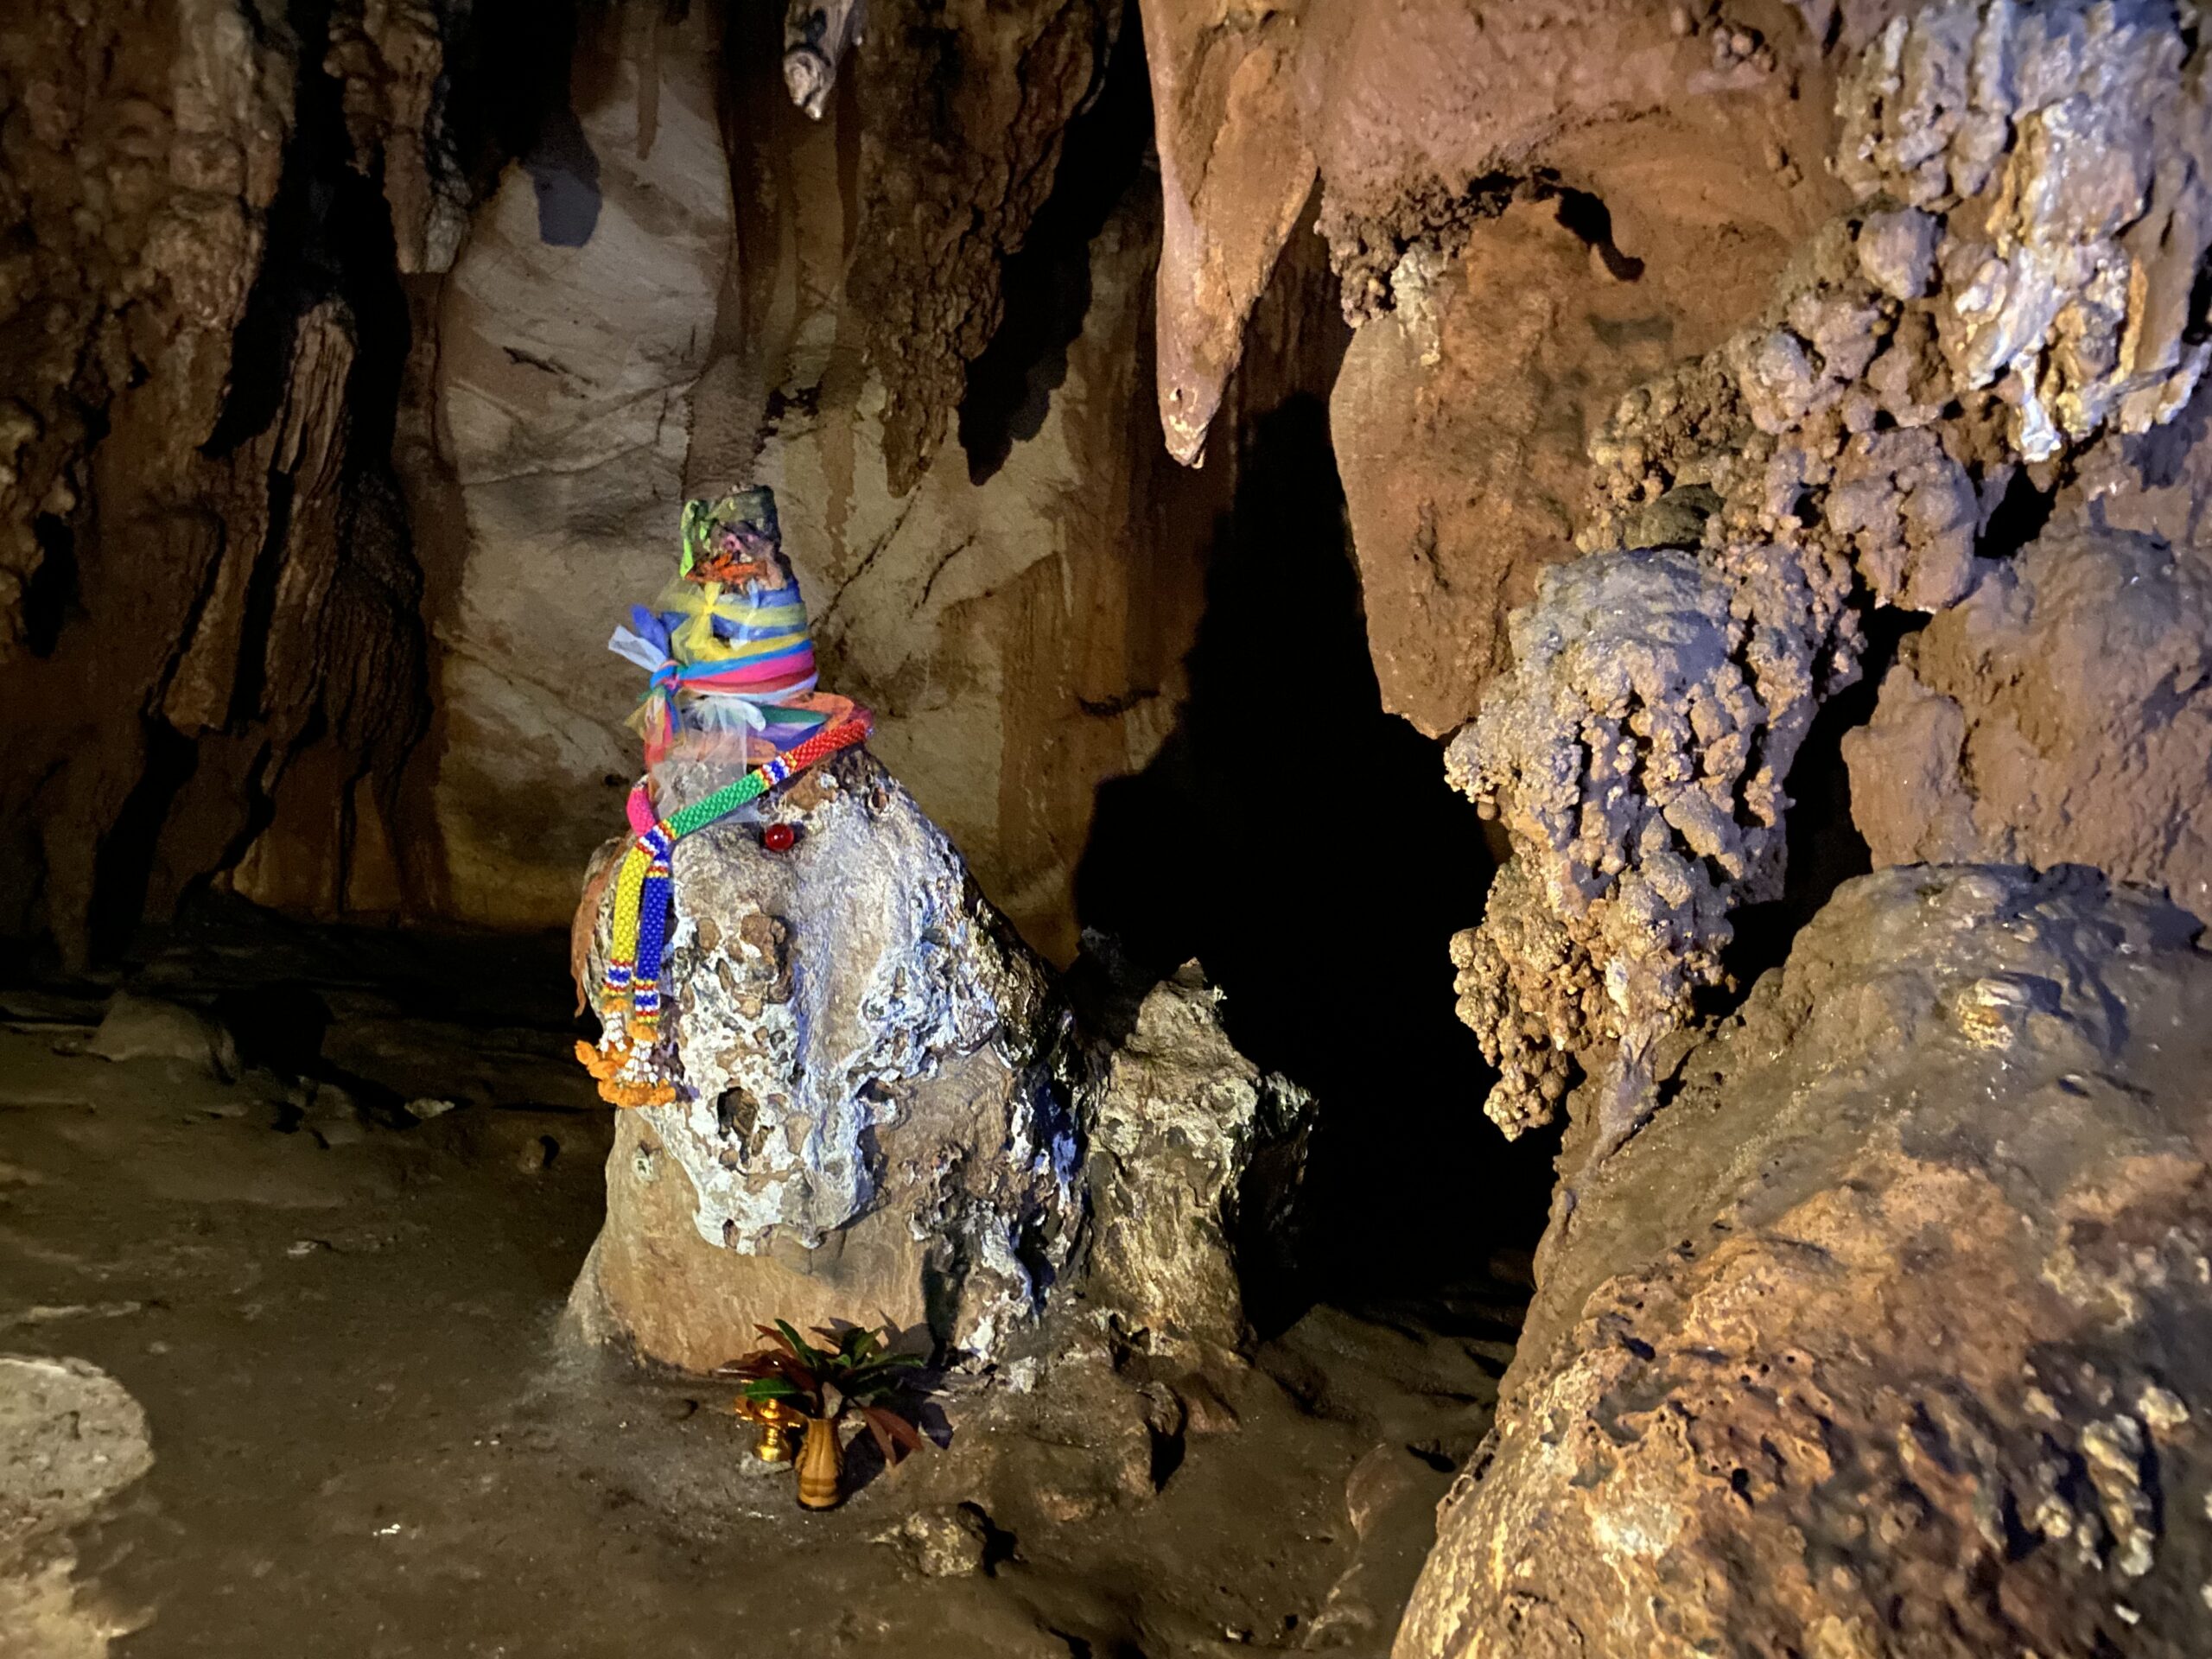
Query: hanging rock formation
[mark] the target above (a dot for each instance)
(963, 110)
(392, 57)
(1891, 1333)
(878, 1129)
(1852, 442)
(1418, 120)
(2060, 714)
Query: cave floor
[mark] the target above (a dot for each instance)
(371, 1437)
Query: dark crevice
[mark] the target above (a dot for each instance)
(50, 596)
(1303, 845)
(124, 863)
(1825, 847)
(2198, 329)
(1588, 218)
(1047, 282)
(2017, 518)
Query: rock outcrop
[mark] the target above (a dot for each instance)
(2005, 288)
(71, 1437)
(1194, 1151)
(2062, 715)
(1890, 1333)
(875, 1126)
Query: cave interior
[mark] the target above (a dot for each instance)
(1499, 954)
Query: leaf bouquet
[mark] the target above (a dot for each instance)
(857, 1372)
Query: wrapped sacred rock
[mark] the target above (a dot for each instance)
(871, 1120)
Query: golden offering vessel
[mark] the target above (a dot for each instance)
(777, 1422)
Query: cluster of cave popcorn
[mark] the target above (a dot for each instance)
(2016, 277)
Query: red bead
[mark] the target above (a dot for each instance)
(778, 837)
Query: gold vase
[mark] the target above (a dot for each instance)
(820, 1465)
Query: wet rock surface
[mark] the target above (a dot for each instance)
(1888, 1334)
(876, 1125)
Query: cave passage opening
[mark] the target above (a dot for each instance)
(1302, 844)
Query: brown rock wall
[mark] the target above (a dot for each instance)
(2060, 714)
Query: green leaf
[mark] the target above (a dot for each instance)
(813, 1357)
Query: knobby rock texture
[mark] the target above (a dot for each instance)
(1193, 1151)
(71, 1438)
(1891, 1334)
(2014, 280)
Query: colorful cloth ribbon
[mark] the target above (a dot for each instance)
(631, 1003)
(721, 658)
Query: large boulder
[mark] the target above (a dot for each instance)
(1891, 1332)
(872, 1126)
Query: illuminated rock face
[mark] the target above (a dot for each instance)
(2003, 294)
(877, 1127)
(1891, 1333)
(2062, 714)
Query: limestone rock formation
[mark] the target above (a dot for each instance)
(391, 57)
(963, 110)
(1419, 119)
(1847, 447)
(183, 644)
(71, 1437)
(1634, 665)
(2060, 715)
(1193, 1151)
(1462, 417)
(876, 1127)
(571, 334)
(1891, 1333)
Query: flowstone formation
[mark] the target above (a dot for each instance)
(2015, 278)
(1893, 1333)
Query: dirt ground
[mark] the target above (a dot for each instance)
(333, 1282)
